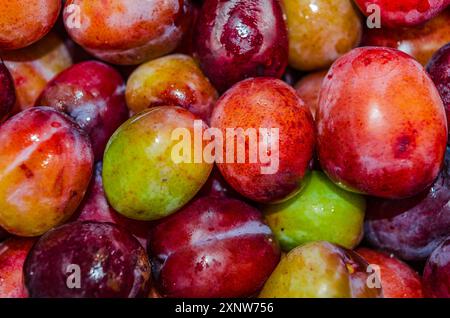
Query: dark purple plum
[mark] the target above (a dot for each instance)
(439, 70)
(7, 92)
(238, 39)
(93, 94)
(411, 228)
(214, 247)
(87, 260)
(436, 276)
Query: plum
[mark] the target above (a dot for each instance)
(95, 207)
(320, 31)
(24, 22)
(144, 175)
(420, 41)
(12, 257)
(400, 13)
(274, 134)
(127, 32)
(87, 260)
(238, 39)
(320, 212)
(397, 278)
(212, 248)
(217, 187)
(174, 80)
(33, 67)
(7, 92)
(436, 276)
(45, 165)
(381, 124)
(308, 88)
(411, 228)
(321, 270)
(439, 70)
(93, 94)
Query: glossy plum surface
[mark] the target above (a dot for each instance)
(213, 248)
(265, 103)
(439, 70)
(420, 41)
(45, 166)
(93, 94)
(320, 31)
(7, 92)
(34, 66)
(411, 228)
(24, 22)
(320, 270)
(308, 88)
(127, 31)
(95, 207)
(436, 276)
(397, 278)
(144, 176)
(381, 124)
(400, 13)
(12, 257)
(238, 39)
(322, 211)
(110, 263)
(174, 80)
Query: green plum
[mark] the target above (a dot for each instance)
(322, 211)
(322, 270)
(142, 177)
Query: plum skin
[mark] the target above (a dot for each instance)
(404, 13)
(371, 140)
(7, 91)
(95, 207)
(320, 31)
(112, 263)
(439, 70)
(92, 93)
(420, 41)
(397, 278)
(238, 39)
(267, 103)
(320, 270)
(13, 253)
(149, 185)
(436, 276)
(308, 88)
(171, 80)
(214, 247)
(46, 163)
(34, 66)
(314, 214)
(24, 23)
(128, 32)
(411, 228)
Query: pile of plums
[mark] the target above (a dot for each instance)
(325, 121)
